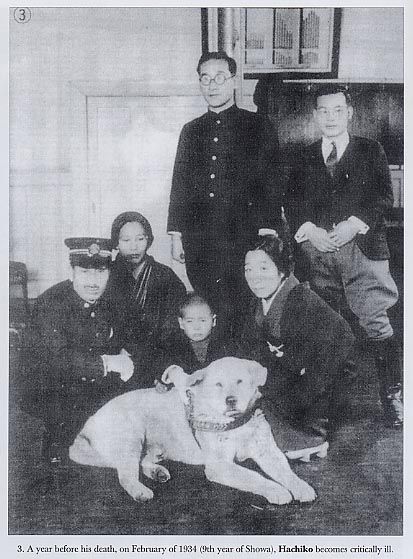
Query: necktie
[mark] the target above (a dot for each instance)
(331, 160)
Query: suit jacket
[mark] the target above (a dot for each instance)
(314, 343)
(225, 184)
(361, 186)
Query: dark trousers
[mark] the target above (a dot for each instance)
(215, 269)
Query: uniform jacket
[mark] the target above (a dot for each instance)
(224, 184)
(361, 187)
(314, 344)
(164, 295)
(67, 337)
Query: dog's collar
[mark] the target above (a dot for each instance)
(217, 426)
(211, 425)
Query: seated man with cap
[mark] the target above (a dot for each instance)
(75, 360)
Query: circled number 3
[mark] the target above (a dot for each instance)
(22, 15)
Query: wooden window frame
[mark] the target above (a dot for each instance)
(251, 71)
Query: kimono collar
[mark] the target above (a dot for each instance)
(266, 303)
(274, 314)
(281, 294)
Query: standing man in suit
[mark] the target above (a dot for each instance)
(336, 206)
(221, 189)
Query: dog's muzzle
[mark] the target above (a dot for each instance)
(231, 403)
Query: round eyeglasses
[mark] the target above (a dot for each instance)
(219, 79)
(336, 112)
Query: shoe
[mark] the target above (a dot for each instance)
(310, 441)
(299, 443)
(393, 406)
(388, 357)
(309, 452)
(319, 427)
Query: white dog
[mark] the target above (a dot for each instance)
(208, 418)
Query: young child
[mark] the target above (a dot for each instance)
(196, 344)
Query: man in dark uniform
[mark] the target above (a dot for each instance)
(222, 188)
(74, 356)
(336, 207)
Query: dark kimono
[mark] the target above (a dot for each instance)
(307, 348)
(146, 306)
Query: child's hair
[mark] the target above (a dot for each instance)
(191, 300)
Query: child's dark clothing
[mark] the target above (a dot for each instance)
(191, 356)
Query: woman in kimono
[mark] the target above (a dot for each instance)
(306, 346)
(145, 293)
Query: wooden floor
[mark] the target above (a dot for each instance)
(359, 488)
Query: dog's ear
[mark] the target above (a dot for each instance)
(195, 378)
(258, 372)
(174, 374)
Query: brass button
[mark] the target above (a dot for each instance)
(215, 139)
(214, 158)
(213, 176)
(211, 194)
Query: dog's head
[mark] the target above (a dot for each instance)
(226, 388)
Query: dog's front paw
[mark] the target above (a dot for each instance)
(156, 472)
(135, 488)
(161, 474)
(303, 492)
(278, 495)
